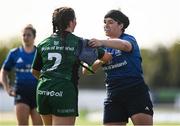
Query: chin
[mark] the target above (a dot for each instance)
(107, 34)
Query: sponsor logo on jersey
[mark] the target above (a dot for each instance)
(65, 110)
(57, 48)
(50, 93)
(26, 69)
(117, 65)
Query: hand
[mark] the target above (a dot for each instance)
(106, 58)
(87, 70)
(94, 43)
(11, 92)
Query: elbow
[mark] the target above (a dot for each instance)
(35, 73)
(127, 47)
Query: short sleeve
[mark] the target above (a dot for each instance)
(132, 40)
(9, 62)
(37, 62)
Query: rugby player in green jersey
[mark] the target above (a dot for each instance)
(56, 65)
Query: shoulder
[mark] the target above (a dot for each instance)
(15, 50)
(46, 40)
(74, 36)
(130, 39)
(127, 37)
(74, 40)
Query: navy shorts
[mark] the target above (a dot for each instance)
(126, 103)
(26, 94)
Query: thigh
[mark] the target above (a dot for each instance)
(114, 112)
(142, 119)
(22, 113)
(35, 117)
(57, 120)
(47, 119)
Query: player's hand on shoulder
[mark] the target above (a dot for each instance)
(95, 43)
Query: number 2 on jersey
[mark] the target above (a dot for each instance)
(58, 58)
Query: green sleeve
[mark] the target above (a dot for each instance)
(101, 52)
(37, 62)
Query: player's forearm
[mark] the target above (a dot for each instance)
(112, 43)
(106, 57)
(96, 65)
(117, 44)
(5, 79)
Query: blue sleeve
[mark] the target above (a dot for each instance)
(9, 62)
(132, 40)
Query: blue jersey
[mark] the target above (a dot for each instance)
(21, 61)
(125, 68)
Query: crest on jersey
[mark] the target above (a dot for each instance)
(56, 43)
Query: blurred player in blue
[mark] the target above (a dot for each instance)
(24, 90)
(127, 94)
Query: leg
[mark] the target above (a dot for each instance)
(36, 118)
(47, 119)
(57, 120)
(22, 113)
(142, 119)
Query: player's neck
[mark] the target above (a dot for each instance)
(28, 49)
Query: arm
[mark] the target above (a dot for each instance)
(35, 73)
(97, 64)
(36, 65)
(112, 43)
(5, 82)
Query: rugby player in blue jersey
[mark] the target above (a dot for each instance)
(127, 94)
(20, 59)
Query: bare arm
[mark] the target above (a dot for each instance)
(35, 73)
(112, 43)
(96, 65)
(5, 82)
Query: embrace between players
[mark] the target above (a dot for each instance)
(59, 57)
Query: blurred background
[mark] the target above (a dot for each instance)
(154, 23)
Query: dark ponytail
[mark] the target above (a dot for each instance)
(60, 21)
